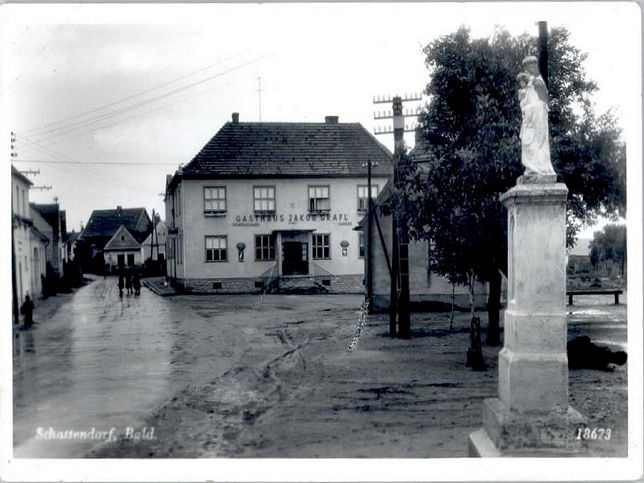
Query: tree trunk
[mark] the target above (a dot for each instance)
(493, 309)
(470, 283)
(451, 316)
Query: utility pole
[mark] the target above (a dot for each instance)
(369, 164)
(399, 286)
(543, 50)
(259, 95)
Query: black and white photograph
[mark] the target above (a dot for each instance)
(321, 241)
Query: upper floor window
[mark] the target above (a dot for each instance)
(319, 199)
(264, 199)
(265, 247)
(214, 199)
(321, 246)
(216, 248)
(363, 196)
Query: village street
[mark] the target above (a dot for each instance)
(251, 376)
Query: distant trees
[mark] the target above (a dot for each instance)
(470, 130)
(609, 245)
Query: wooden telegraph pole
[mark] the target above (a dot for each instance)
(543, 50)
(399, 285)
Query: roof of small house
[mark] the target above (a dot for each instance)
(104, 223)
(289, 149)
(123, 239)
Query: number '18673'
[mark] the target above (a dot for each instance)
(593, 433)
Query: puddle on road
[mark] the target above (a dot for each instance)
(100, 362)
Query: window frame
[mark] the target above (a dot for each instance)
(366, 198)
(271, 247)
(361, 246)
(212, 212)
(315, 247)
(316, 209)
(273, 199)
(221, 260)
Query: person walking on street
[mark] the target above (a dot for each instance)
(121, 284)
(128, 282)
(136, 282)
(27, 309)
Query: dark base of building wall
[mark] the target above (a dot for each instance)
(432, 303)
(333, 284)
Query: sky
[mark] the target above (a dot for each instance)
(106, 100)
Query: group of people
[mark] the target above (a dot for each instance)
(131, 282)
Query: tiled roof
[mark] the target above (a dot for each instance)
(104, 223)
(252, 149)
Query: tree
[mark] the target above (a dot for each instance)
(609, 245)
(471, 153)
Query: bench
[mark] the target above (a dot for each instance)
(615, 292)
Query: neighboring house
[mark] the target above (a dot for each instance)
(579, 257)
(30, 243)
(21, 235)
(122, 250)
(56, 218)
(270, 203)
(72, 239)
(43, 255)
(155, 244)
(425, 288)
(103, 224)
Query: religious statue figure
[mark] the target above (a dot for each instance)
(533, 99)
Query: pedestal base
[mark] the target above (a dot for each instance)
(510, 433)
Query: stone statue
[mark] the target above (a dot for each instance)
(533, 98)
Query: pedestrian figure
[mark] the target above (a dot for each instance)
(136, 282)
(128, 282)
(121, 284)
(475, 358)
(27, 309)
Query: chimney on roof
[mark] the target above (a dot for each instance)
(119, 210)
(331, 119)
(235, 117)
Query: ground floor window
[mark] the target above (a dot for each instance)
(264, 247)
(321, 246)
(216, 249)
(130, 259)
(361, 245)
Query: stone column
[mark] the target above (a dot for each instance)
(531, 416)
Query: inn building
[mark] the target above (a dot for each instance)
(273, 205)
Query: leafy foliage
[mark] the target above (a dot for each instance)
(609, 245)
(471, 152)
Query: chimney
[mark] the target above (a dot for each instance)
(119, 210)
(235, 117)
(331, 119)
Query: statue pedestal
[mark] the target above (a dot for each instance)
(531, 416)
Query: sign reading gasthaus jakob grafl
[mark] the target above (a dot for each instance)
(290, 218)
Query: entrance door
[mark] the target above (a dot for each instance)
(296, 258)
(120, 260)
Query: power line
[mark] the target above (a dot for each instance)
(81, 124)
(85, 163)
(172, 81)
(164, 106)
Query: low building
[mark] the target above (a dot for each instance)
(272, 204)
(427, 290)
(153, 247)
(123, 250)
(56, 219)
(101, 228)
(579, 257)
(30, 240)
